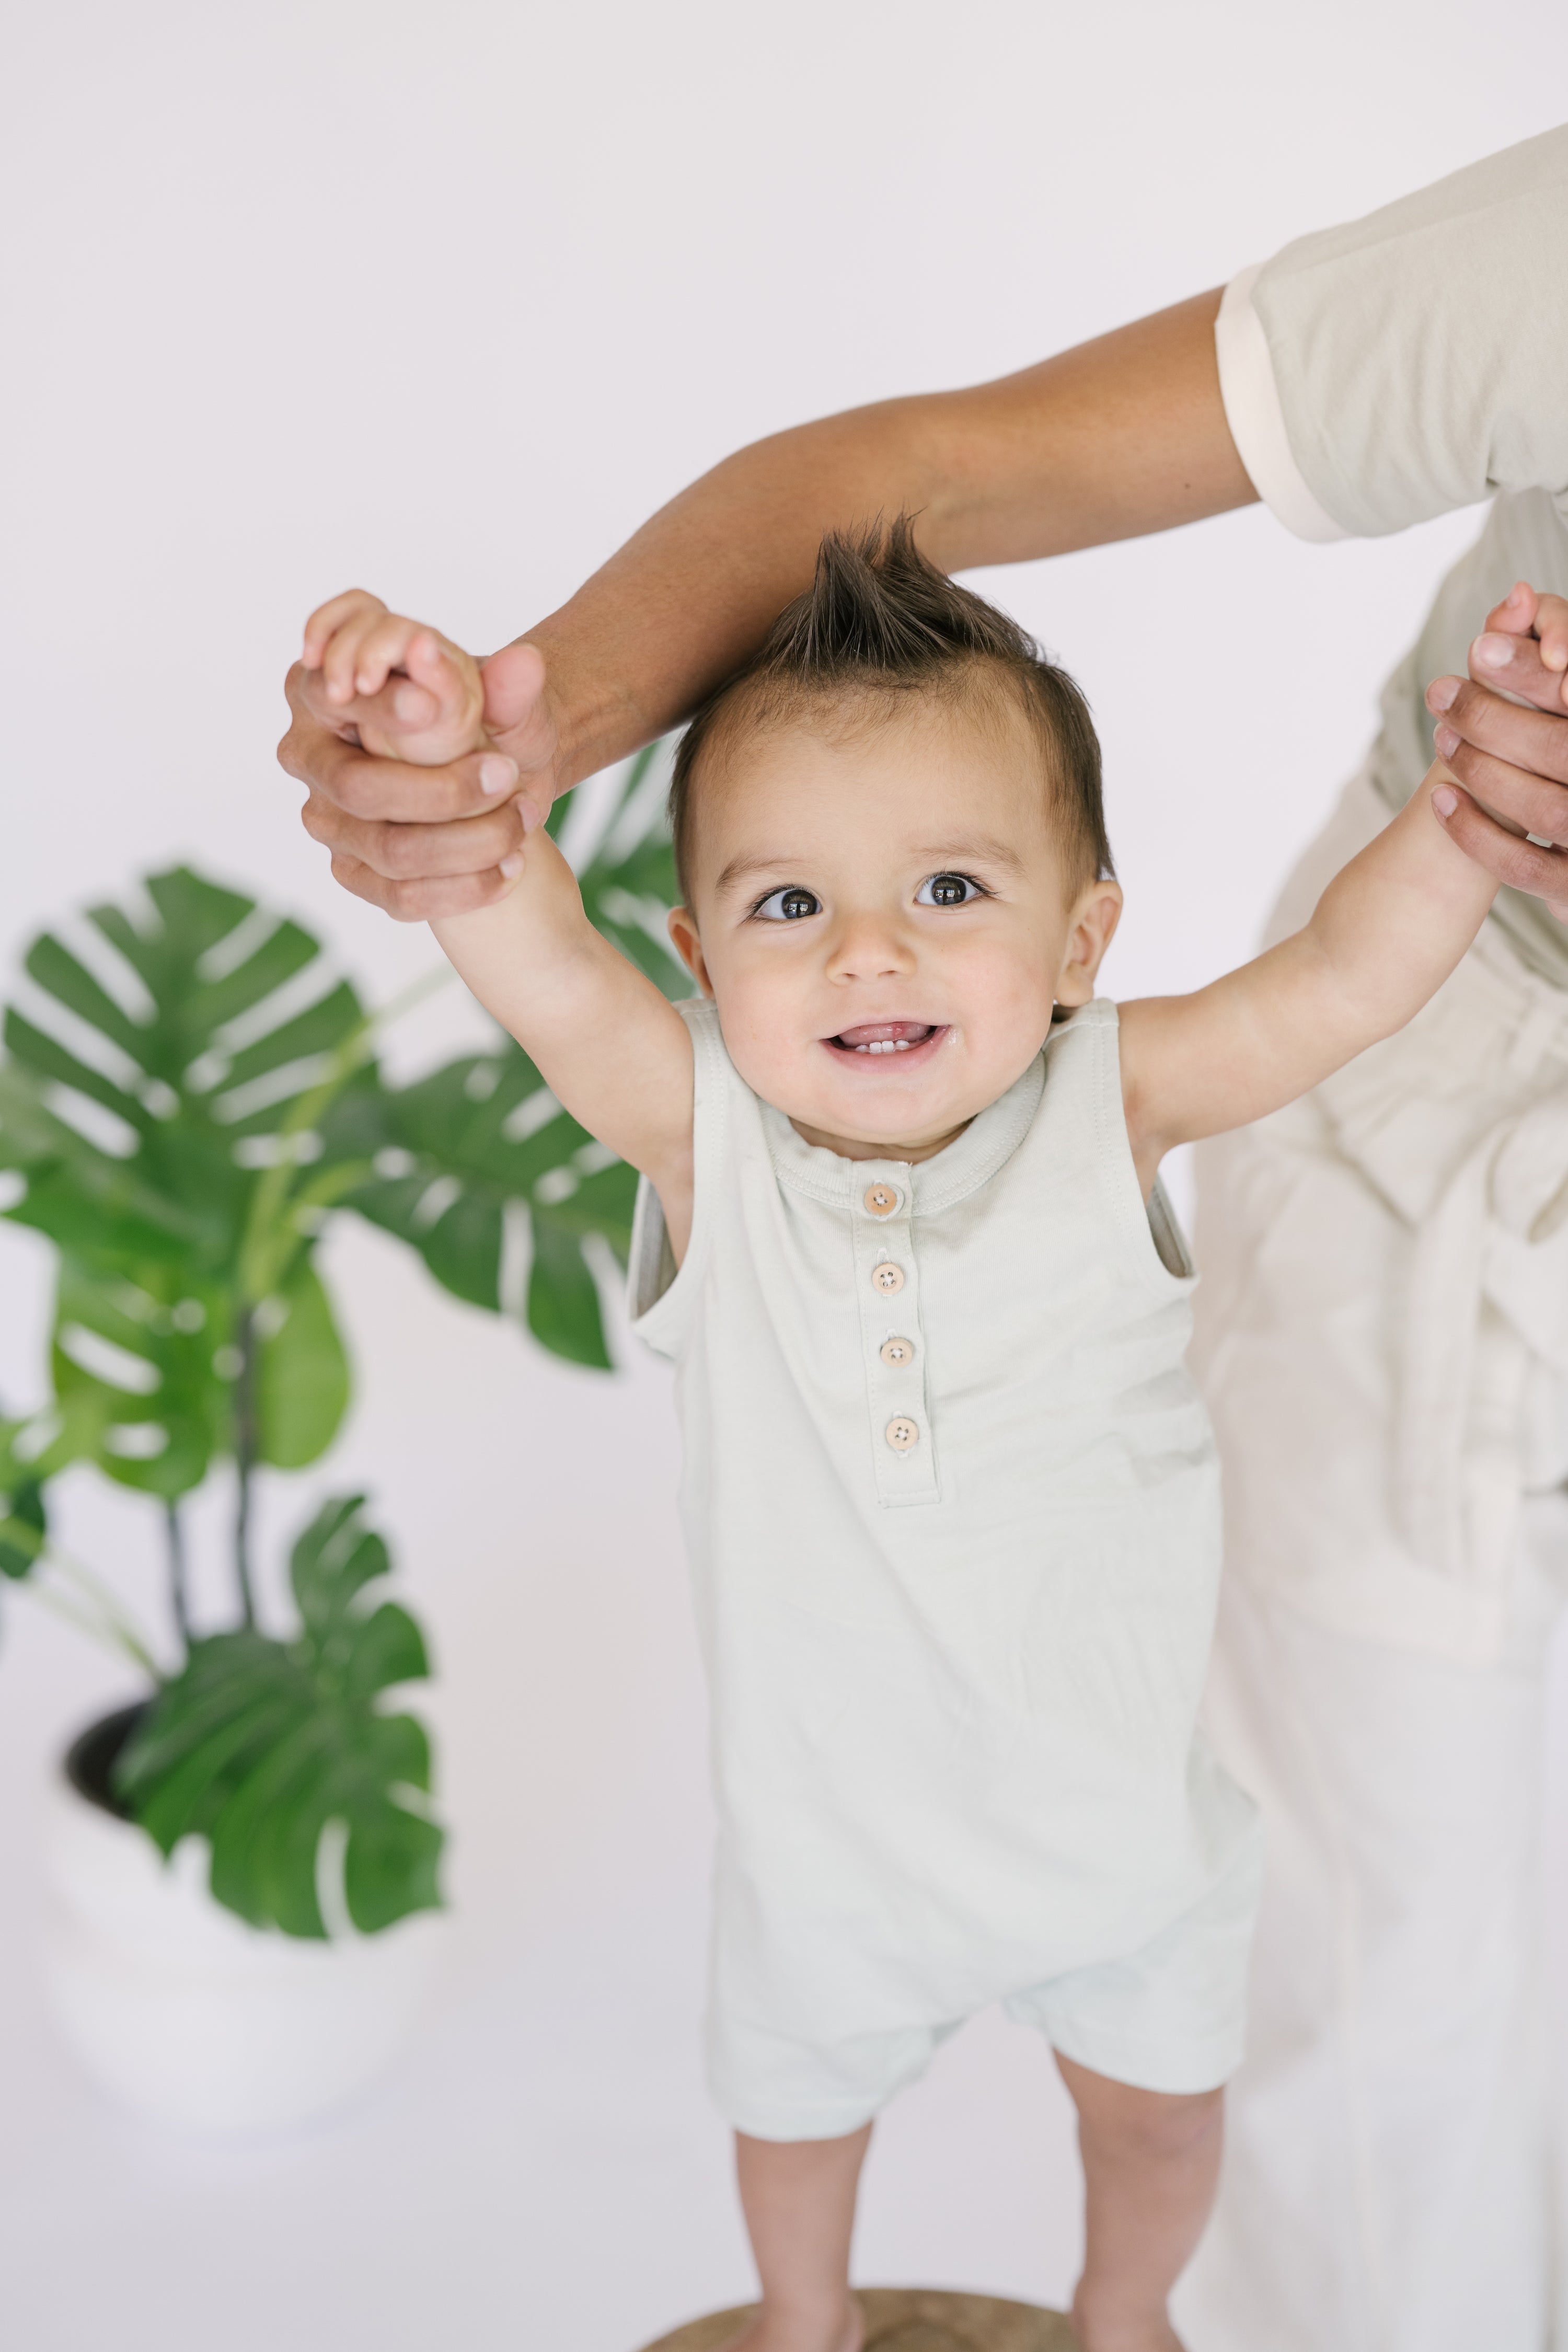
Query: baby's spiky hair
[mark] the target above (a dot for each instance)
(879, 621)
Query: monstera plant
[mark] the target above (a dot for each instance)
(188, 1098)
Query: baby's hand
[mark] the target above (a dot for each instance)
(1524, 649)
(408, 692)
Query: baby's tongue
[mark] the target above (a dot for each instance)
(887, 1033)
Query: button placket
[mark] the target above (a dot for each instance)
(892, 1337)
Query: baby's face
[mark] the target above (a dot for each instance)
(884, 920)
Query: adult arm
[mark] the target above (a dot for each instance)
(1373, 376)
(1119, 437)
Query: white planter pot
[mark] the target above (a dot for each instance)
(183, 2012)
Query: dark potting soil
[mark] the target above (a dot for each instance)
(90, 1758)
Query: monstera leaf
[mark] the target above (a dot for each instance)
(258, 1744)
(187, 1098)
(478, 1152)
(141, 1109)
(627, 879)
(24, 1522)
(479, 1157)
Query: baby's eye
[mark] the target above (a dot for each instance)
(947, 890)
(789, 906)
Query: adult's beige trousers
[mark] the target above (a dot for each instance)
(1383, 1338)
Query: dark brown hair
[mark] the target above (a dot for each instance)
(878, 619)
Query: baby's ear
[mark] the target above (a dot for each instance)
(687, 945)
(1091, 927)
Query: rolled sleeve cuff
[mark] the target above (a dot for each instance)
(1257, 419)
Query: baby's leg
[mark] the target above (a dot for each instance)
(798, 2197)
(1150, 2160)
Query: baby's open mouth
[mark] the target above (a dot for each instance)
(884, 1037)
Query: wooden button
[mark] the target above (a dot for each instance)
(902, 1434)
(880, 1200)
(897, 1352)
(886, 1278)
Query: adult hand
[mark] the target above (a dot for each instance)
(1513, 755)
(422, 841)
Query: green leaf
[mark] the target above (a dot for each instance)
(198, 1028)
(301, 1375)
(563, 1298)
(388, 1648)
(24, 1524)
(257, 1744)
(335, 1558)
(391, 1867)
(138, 1358)
(629, 883)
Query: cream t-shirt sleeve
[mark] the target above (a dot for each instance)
(1413, 362)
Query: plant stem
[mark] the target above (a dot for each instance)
(178, 1595)
(111, 1616)
(103, 1628)
(245, 1460)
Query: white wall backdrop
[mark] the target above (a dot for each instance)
(443, 300)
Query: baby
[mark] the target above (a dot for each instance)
(949, 1492)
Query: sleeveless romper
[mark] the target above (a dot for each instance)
(952, 1505)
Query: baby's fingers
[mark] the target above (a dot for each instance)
(340, 662)
(385, 645)
(1552, 629)
(1527, 634)
(1524, 614)
(438, 669)
(328, 618)
(1516, 614)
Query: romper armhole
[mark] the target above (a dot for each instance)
(658, 1293)
(1153, 1232)
(1169, 1240)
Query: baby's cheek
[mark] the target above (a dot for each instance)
(1004, 995)
(765, 1031)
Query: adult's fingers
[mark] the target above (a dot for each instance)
(416, 853)
(1524, 665)
(1521, 797)
(1515, 732)
(1522, 865)
(420, 902)
(389, 791)
(517, 712)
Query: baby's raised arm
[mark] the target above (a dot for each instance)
(610, 1048)
(1386, 934)
(614, 1050)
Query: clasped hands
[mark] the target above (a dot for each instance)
(425, 770)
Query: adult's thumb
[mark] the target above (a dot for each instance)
(515, 680)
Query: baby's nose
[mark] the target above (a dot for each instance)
(871, 950)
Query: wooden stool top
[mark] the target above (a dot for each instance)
(912, 2319)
